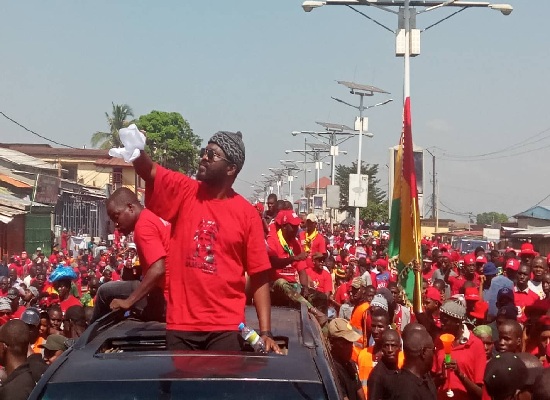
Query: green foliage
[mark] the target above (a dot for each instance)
(489, 218)
(377, 205)
(117, 120)
(170, 140)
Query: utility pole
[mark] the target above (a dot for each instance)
(435, 214)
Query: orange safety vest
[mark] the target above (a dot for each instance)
(366, 363)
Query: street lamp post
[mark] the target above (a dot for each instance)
(361, 91)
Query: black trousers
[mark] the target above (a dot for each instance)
(217, 341)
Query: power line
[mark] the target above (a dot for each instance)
(516, 146)
(34, 133)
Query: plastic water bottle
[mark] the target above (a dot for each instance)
(252, 337)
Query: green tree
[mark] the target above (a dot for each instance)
(489, 218)
(170, 140)
(117, 120)
(377, 205)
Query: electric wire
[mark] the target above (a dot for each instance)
(35, 133)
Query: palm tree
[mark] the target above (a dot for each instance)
(117, 120)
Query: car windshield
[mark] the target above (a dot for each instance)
(192, 389)
(468, 246)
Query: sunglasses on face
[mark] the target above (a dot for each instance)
(210, 154)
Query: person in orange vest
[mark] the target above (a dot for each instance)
(370, 356)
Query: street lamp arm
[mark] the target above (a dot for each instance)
(344, 102)
(443, 19)
(372, 19)
(444, 4)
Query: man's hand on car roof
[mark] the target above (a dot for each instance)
(270, 345)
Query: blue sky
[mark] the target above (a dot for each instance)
(480, 85)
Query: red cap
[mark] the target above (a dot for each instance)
(433, 294)
(287, 217)
(481, 259)
(480, 309)
(455, 257)
(381, 263)
(445, 254)
(527, 249)
(512, 264)
(469, 259)
(510, 249)
(471, 293)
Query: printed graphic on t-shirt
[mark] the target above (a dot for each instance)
(205, 241)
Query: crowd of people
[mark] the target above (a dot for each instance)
(198, 252)
(46, 302)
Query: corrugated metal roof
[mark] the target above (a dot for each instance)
(538, 212)
(14, 182)
(18, 157)
(543, 231)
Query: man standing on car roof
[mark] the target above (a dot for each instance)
(217, 236)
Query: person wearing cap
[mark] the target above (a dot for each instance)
(360, 303)
(471, 295)
(445, 269)
(542, 329)
(489, 272)
(37, 365)
(319, 278)
(429, 316)
(505, 376)
(54, 346)
(414, 381)
(14, 343)
(341, 337)
(217, 239)
(466, 274)
(152, 241)
(288, 263)
(538, 268)
(311, 240)
(14, 296)
(5, 310)
(523, 295)
(380, 275)
(485, 334)
(466, 368)
(527, 253)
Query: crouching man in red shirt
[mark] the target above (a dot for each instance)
(289, 276)
(217, 236)
(152, 239)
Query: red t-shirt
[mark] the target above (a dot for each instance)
(318, 245)
(213, 243)
(152, 239)
(524, 299)
(429, 275)
(18, 269)
(17, 314)
(71, 301)
(290, 272)
(320, 281)
(342, 293)
(470, 360)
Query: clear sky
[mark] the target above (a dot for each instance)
(480, 85)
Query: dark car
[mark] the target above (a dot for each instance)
(127, 359)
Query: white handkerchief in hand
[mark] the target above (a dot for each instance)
(133, 141)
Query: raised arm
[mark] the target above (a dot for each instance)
(145, 167)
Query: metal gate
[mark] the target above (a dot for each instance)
(38, 232)
(82, 214)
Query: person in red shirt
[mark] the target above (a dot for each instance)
(289, 276)
(217, 237)
(466, 274)
(523, 296)
(64, 239)
(467, 366)
(319, 279)
(152, 240)
(311, 240)
(428, 270)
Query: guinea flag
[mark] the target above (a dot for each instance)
(405, 217)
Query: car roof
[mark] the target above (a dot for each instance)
(144, 357)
